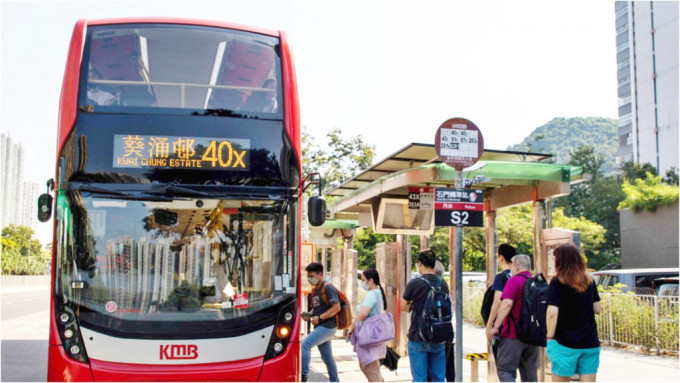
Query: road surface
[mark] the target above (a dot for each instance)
(25, 330)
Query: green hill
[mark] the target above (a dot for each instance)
(562, 135)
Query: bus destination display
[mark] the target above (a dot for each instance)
(177, 152)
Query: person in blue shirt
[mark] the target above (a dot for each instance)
(504, 259)
(369, 359)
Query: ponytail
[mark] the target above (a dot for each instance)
(384, 299)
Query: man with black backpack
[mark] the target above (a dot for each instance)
(492, 296)
(513, 352)
(428, 299)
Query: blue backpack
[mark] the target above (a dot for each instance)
(434, 322)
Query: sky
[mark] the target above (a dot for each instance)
(390, 71)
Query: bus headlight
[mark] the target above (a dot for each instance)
(282, 333)
(75, 349)
(69, 332)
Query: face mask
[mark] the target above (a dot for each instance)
(313, 281)
(364, 285)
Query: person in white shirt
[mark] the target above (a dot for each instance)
(94, 91)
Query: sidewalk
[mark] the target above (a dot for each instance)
(615, 365)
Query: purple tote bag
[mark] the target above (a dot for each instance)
(376, 329)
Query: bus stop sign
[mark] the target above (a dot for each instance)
(459, 143)
(458, 207)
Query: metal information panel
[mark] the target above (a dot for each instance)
(458, 207)
(420, 198)
(306, 257)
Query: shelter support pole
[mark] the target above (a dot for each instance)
(424, 242)
(404, 269)
(351, 282)
(458, 283)
(491, 268)
(540, 263)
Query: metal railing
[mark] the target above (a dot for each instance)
(645, 323)
(648, 323)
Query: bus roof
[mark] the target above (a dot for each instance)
(182, 21)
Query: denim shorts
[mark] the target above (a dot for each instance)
(570, 361)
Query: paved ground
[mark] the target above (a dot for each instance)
(24, 335)
(615, 365)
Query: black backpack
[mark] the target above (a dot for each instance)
(531, 327)
(434, 322)
(487, 302)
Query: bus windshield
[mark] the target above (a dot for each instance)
(165, 68)
(174, 259)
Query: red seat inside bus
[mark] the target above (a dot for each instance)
(245, 64)
(119, 58)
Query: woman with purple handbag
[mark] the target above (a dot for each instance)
(372, 327)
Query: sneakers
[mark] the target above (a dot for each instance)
(304, 378)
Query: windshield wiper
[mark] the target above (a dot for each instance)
(99, 190)
(173, 189)
(130, 195)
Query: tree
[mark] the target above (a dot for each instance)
(22, 255)
(672, 177)
(592, 237)
(633, 171)
(586, 156)
(341, 158)
(365, 241)
(20, 237)
(595, 200)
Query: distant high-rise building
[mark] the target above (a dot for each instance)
(12, 177)
(18, 198)
(647, 58)
(29, 204)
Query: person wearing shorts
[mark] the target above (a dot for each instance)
(567, 362)
(573, 345)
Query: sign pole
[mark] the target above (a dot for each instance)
(458, 234)
(459, 144)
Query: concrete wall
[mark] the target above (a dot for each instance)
(24, 281)
(650, 239)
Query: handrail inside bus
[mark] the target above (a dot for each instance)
(181, 85)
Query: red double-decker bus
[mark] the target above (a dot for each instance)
(177, 212)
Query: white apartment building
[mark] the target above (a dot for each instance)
(18, 197)
(647, 58)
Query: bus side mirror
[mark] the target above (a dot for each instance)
(44, 207)
(316, 211)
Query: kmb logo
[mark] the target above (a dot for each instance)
(179, 351)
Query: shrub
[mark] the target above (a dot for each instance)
(648, 194)
(473, 294)
(638, 320)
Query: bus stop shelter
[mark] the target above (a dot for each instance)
(506, 178)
